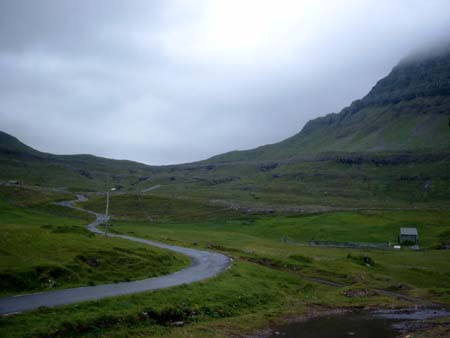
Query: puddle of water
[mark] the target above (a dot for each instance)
(339, 326)
(378, 324)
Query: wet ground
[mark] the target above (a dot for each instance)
(411, 314)
(339, 326)
(378, 324)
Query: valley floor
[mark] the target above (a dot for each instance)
(276, 275)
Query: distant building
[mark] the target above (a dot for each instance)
(409, 235)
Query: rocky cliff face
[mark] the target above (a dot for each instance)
(408, 110)
(425, 76)
(413, 78)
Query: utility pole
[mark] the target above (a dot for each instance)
(107, 205)
(106, 213)
(107, 210)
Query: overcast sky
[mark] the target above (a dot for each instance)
(176, 81)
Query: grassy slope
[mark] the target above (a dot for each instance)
(46, 247)
(330, 182)
(77, 172)
(407, 126)
(158, 208)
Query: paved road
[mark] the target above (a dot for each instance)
(204, 265)
(152, 188)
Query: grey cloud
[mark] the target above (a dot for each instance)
(130, 79)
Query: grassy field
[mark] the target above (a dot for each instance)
(44, 246)
(279, 242)
(159, 208)
(274, 274)
(197, 218)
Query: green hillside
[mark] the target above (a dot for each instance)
(408, 110)
(78, 172)
(389, 149)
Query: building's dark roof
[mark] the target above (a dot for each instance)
(408, 231)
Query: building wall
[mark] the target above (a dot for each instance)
(410, 238)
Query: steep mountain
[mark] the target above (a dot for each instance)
(408, 110)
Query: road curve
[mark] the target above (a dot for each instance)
(204, 265)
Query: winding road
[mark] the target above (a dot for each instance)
(204, 265)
